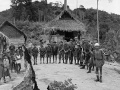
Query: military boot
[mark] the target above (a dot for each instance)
(97, 78)
(101, 79)
(83, 67)
(81, 63)
(89, 70)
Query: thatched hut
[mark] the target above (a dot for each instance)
(66, 25)
(13, 33)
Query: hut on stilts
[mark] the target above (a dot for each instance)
(65, 26)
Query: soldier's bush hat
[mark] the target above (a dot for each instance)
(97, 44)
(76, 37)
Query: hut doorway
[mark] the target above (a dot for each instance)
(69, 35)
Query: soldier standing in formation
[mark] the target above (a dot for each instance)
(54, 51)
(42, 53)
(61, 52)
(71, 52)
(48, 52)
(66, 51)
(35, 54)
(86, 48)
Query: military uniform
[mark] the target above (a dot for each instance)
(42, 53)
(78, 51)
(48, 52)
(86, 49)
(99, 61)
(67, 52)
(35, 54)
(91, 62)
(54, 51)
(61, 52)
(71, 52)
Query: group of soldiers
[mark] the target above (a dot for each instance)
(83, 53)
(67, 52)
(63, 51)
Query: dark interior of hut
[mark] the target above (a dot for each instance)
(67, 35)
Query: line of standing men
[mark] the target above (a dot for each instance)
(65, 50)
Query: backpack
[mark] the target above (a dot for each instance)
(98, 55)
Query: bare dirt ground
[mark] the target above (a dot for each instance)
(46, 73)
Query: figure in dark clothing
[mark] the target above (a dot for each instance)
(54, 52)
(48, 52)
(12, 49)
(42, 53)
(35, 54)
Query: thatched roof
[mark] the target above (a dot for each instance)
(65, 22)
(6, 23)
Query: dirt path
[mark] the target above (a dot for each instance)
(46, 73)
(60, 72)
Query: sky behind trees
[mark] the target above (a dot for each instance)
(111, 7)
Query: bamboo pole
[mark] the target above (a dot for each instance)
(98, 22)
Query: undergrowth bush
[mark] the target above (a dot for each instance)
(66, 85)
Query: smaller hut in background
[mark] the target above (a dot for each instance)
(65, 26)
(15, 36)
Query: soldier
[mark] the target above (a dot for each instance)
(54, 51)
(35, 54)
(48, 52)
(86, 51)
(91, 62)
(66, 51)
(42, 53)
(71, 52)
(75, 52)
(61, 52)
(99, 61)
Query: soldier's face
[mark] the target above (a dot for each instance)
(97, 47)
